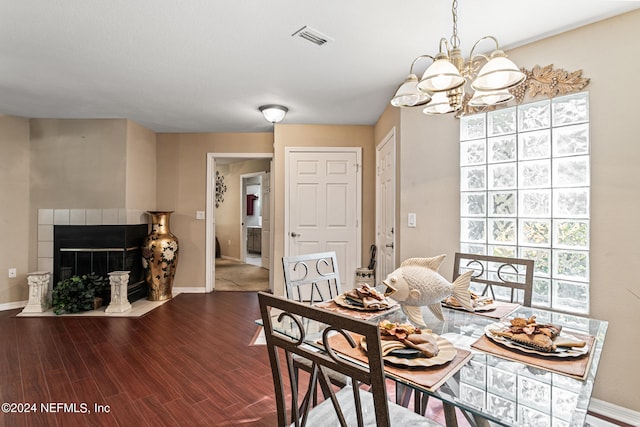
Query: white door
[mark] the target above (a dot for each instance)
(322, 209)
(386, 205)
(266, 217)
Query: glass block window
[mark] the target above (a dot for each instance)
(524, 192)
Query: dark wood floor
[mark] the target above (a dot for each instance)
(186, 363)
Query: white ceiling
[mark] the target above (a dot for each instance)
(207, 65)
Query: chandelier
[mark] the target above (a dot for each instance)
(442, 88)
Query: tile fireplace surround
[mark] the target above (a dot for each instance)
(47, 218)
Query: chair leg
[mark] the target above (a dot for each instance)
(450, 418)
(481, 422)
(420, 402)
(475, 420)
(403, 394)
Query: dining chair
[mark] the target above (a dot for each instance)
(501, 278)
(348, 406)
(310, 279)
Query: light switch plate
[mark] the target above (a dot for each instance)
(411, 220)
(199, 214)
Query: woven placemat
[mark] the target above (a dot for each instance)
(425, 378)
(576, 367)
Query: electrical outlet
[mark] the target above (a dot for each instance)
(12, 273)
(199, 214)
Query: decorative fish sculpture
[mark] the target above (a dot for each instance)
(417, 283)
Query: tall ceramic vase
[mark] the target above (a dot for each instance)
(160, 257)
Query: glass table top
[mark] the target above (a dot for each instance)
(500, 390)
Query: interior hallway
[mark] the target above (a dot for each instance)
(237, 276)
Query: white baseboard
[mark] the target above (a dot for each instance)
(13, 305)
(177, 290)
(231, 258)
(614, 412)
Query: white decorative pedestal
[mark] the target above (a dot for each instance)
(38, 282)
(119, 301)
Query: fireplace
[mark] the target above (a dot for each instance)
(100, 249)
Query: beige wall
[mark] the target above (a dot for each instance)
(430, 186)
(322, 136)
(14, 207)
(181, 183)
(140, 183)
(181, 187)
(229, 215)
(78, 164)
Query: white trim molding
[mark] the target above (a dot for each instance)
(13, 305)
(614, 412)
(177, 290)
(210, 215)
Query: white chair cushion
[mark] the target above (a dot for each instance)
(324, 415)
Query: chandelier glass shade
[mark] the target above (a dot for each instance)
(446, 80)
(409, 95)
(498, 74)
(441, 76)
(439, 104)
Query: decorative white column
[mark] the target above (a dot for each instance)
(119, 301)
(38, 282)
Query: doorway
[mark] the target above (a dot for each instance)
(223, 222)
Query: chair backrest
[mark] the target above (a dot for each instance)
(311, 278)
(275, 309)
(502, 278)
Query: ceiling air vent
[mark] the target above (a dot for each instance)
(312, 35)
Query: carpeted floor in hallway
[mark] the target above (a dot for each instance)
(237, 276)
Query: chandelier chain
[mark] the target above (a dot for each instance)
(455, 40)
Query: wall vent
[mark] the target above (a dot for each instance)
(312, 35)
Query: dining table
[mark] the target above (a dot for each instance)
(491, 382)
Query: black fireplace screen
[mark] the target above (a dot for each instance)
(79, 261)
(100, 249)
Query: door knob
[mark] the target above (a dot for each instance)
(294, 234)
(389, 245)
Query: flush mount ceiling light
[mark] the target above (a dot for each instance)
(273, 113)
(442, 87)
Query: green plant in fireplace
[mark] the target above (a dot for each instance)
(77, 293)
